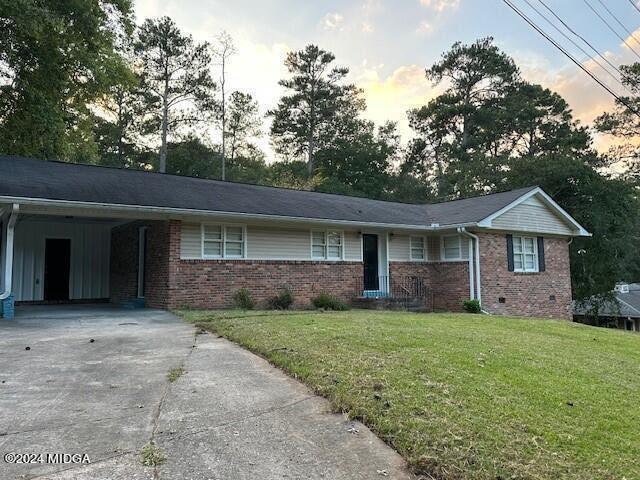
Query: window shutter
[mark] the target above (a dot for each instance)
(541, 265)
(510, 252)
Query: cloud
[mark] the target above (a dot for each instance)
(333, 21)
(424, 28)
(389, 97)
(367, 27)
(441, 5)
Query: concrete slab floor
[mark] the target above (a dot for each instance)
(230, 416)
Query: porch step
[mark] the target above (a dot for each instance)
(413, 304)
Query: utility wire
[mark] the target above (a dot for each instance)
(522, 15)
(615, 32)
(604, 5)
(573, 42)
(634, 5)
(594, 49)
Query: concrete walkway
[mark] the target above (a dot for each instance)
(231, 416)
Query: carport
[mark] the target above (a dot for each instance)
(53, 255)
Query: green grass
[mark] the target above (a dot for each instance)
(466, 396)
(174, 374)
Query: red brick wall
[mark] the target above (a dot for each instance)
(525, 294)
(123, 277)
(447, 282)
(124, 263)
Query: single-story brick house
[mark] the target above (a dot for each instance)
(82, 233)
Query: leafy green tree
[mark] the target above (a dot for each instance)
(243, 124)
(623, 124)
(175, 72)
(304, 120)
(467, 136)
(358, 161)
(57, 58)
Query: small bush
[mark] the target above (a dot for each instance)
(282, 301)
(472, 306)
(243, 299)
(329, 302)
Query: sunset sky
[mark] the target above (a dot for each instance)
(387, 44)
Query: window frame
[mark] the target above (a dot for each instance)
(523, 254)
(223, 241)
(443, 256)
(412, 248)
(326, 245)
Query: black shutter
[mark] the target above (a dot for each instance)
(510, 252)
(541, 265)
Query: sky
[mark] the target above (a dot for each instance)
(387, 45)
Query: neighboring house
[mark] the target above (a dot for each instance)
(79, 232)
(623, 313)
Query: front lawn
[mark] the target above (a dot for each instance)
(464, 396)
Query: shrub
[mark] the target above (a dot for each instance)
(243, 299)
(328, 302)
(282, 301)
(472, 306)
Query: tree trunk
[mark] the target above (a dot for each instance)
(224, 119)
(311, 143)
(165, 126)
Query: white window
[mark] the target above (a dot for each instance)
(417, 248)
(326, 245)
(223, 241)
(525, 254)
(451, 247)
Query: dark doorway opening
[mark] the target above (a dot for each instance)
(57, 269)
(370, 259)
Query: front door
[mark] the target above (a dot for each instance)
(370, 259)
(57, 268)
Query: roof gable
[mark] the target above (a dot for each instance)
(534, 211)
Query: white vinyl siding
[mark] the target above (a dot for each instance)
(525, 254)
(533, 215)
(418, 248)
(399, 248)
(190, 241)
(269, 243)
(90, 252)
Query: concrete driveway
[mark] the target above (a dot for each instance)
(230, 416)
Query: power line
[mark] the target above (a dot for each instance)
(594, 49)
(618, 21)
(634, 5)
(568, 55)
(615, 32)
(575, 44)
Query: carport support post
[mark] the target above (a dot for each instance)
(7, 305)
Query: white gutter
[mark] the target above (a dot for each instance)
(8, 254)
(216, 213)
(474, 270)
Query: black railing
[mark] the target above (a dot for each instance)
(392, 287)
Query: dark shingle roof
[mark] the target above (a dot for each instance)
(628, 304)
(24, 177)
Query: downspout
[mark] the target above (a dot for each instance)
(474, 270)
(8, 256)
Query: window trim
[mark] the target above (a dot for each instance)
(326, 257)
(442, 249)
(536, 258)
(223, 240)
(424, 248)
